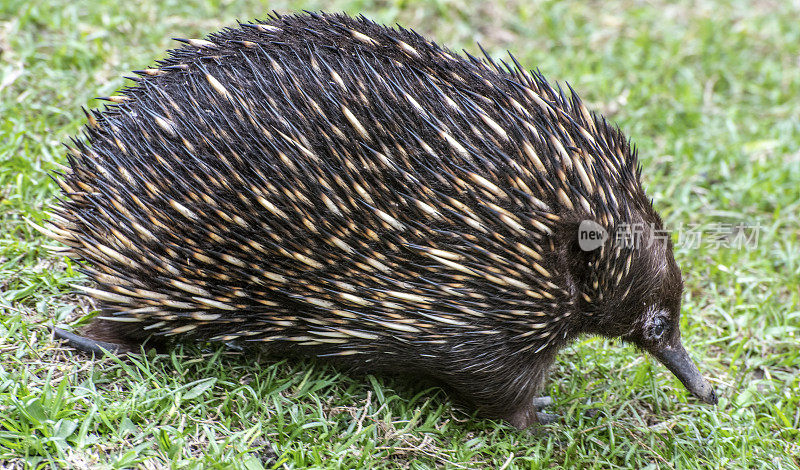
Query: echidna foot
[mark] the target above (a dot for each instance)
(542, 402)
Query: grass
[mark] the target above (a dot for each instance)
(708, 91)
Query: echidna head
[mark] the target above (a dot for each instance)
(656, 329)
(632, 289)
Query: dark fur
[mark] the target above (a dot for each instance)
(180, 138)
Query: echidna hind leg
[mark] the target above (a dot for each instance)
(88, 345)
(102, 336)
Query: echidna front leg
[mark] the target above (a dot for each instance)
(511, 392)
(528, 415)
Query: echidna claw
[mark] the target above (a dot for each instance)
(546, 418)
(541, 402)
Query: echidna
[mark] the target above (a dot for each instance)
(325, 186)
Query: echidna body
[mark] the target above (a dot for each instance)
(326, 186)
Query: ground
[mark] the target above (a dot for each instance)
(707, 90)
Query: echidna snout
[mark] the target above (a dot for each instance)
(324, 186)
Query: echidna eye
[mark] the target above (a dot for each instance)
(657, 330)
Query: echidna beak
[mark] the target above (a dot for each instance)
(679, 363)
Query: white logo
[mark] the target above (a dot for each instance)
(591, 235)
